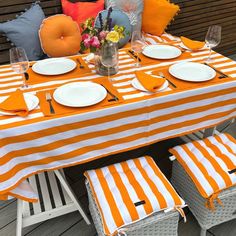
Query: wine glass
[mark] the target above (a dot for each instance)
(137, 45)
(213, 38)
(19, 63)
(109, 56)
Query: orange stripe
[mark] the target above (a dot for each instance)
(124, 193)
(137, 187)
(230, 150)
(83, 150)
(158, 195)
(7, 189)
(202, 169)
(189, 172)
(104, 224)
(219, 154)
(100, 120)
(168, 186)
(109, 198)
(214, 163)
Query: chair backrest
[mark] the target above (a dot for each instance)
(195, 17)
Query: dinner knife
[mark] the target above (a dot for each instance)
(135, 56)
(115, 98)
(232, 171)
(222, 75)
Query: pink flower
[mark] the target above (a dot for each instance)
(95, 42)
(87, 42)
(85, 36)
(103, 35)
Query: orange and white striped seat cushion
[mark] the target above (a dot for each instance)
(129, 191)
(23, 191)
(208, 162)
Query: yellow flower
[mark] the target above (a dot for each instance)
(113, 36)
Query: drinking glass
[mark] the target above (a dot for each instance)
(109, 56)
(137, 45)
(213, 38)
(19, 63)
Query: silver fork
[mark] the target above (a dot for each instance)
(49, 100)
(163, 76)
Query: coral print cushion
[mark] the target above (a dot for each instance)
(133, 8)
(80, 11)
(157, 14)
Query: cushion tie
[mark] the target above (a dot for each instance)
(210, 201)
(181, 212)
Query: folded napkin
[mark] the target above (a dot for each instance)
(60, 109)
(191, 44)
(15, 104)
(149, 82)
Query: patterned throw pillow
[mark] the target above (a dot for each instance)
(23, 31)
(133, 8)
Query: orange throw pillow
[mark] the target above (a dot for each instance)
(81, 11)
(157, 14)
(60, 36)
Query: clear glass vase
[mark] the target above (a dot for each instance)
(100, 68)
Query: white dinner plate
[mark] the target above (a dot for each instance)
(161, 51)
(54, 66)
(80, 94)
(192, 71)
(31, 102)
(184, 47)
(136, 84)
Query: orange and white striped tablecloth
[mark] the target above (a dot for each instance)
(37, 143)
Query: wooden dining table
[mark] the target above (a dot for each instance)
(43, 141)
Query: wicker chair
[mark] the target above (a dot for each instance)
(205, 217)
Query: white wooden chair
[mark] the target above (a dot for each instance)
(55, 199)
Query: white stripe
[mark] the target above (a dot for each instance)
(195, 170)
(131, 191)
(7, 74)
(232, 63)
(104, 204)
(144, 185)
(117, 195)
(208, 166)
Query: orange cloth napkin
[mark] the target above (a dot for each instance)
(35, 78)
(191, 44)
(15, 104)
(149, 82)
(60, 109)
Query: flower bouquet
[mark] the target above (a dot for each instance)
(94, 38)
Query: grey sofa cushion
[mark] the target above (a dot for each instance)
(23, 31)
(133, 8)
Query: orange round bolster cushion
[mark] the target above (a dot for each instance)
(60, 36)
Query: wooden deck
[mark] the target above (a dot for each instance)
(72, 224)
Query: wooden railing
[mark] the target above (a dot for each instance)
(193, 20)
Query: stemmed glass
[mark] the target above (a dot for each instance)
(137, 45)
(19, 63)
(213, 38)
(109, 56)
